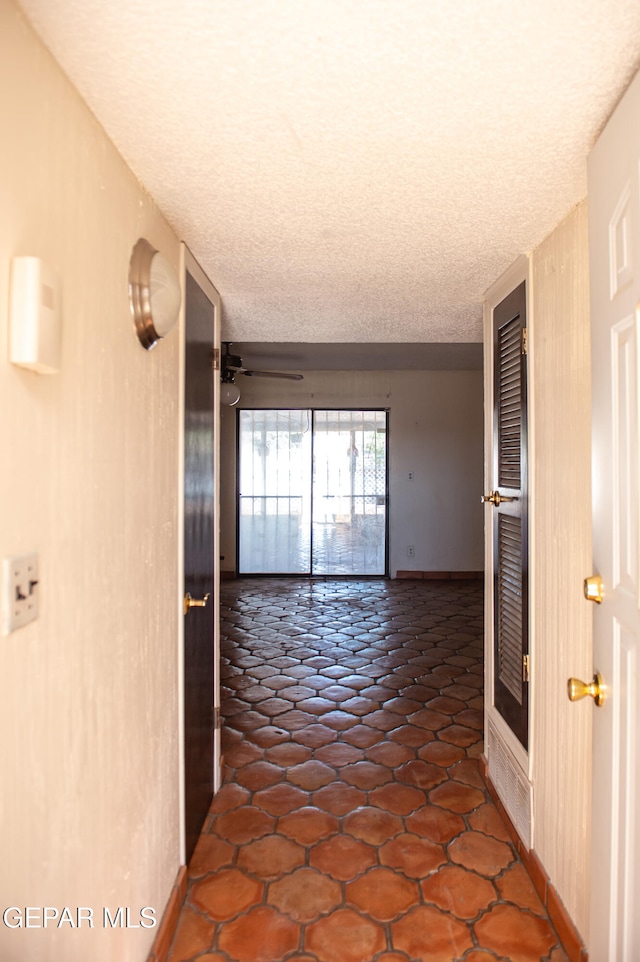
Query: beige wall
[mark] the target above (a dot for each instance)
(89, 809)
(435, 431)
(561, 557)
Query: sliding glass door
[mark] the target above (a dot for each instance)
(313, 492)
(349, 492)
(275, 492)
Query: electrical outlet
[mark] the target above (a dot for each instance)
(19, 592)
(411, 551)
(410, 475)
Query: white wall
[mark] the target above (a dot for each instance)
(88, 695)
(561, 557)
(435, 431)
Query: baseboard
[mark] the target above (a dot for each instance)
(441, 575)
(170, 916)
(568, 934)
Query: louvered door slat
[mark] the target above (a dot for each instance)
(509, 639)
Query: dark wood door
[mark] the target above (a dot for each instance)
(199, 558)
(510, 538)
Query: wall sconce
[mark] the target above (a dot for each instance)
(154, 293)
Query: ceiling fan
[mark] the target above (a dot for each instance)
(231, 365)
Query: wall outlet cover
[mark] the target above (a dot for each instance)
(19, 592)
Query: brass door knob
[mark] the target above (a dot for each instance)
(577, 689)
(495, 498)
(190, 602)
(594, 589)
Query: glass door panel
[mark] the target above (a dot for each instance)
(349, 493)
(275, 492)
(329, 521)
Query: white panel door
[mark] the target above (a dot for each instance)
(614, 229)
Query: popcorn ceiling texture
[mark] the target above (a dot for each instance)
(347, 170)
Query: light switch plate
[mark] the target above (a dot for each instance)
(20, 591)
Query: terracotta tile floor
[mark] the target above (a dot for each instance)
(353, 824)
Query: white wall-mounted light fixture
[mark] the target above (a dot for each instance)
(229, 392)
(154, 293)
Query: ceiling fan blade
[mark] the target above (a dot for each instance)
(288, 377)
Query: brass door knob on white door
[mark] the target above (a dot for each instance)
(190, 602)
(495, 498)
(594, 589)
(596, 689)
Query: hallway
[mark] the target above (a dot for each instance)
(353, 824)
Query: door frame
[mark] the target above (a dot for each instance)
(519, 271)
(190, 264)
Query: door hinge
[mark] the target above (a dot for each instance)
(217, 721)
(526, 666)
(215, 358)
(525, 342)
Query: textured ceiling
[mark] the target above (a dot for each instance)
(352, 170)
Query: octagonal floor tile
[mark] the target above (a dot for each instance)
(241, 754)
(515, 933)
(308, 825)
(459, 735)
(458, 891)
(305, 894)
(427, 933)
(194, 933)
(362, 736)
(229, 797)
(372, 825)
(516, 886)
(457, 797)
(280, 799)
(346, 936)
(257, 775)
(398, 799)
(416, 857)
(487, 819)
(411, 736)
(314, 736)
(311, 775)
(338, 755)
(382, 894)
(210, 854)
(263, 935)
(435, 824)
(227, 893)
(268, 735)
(287, 754)
(342, 857)
(421, 774)
(390, 754)
(485, 855)
(271, 856)
(338, 799)
(366, 775)
(243, 825)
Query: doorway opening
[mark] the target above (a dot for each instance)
(313, 492)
